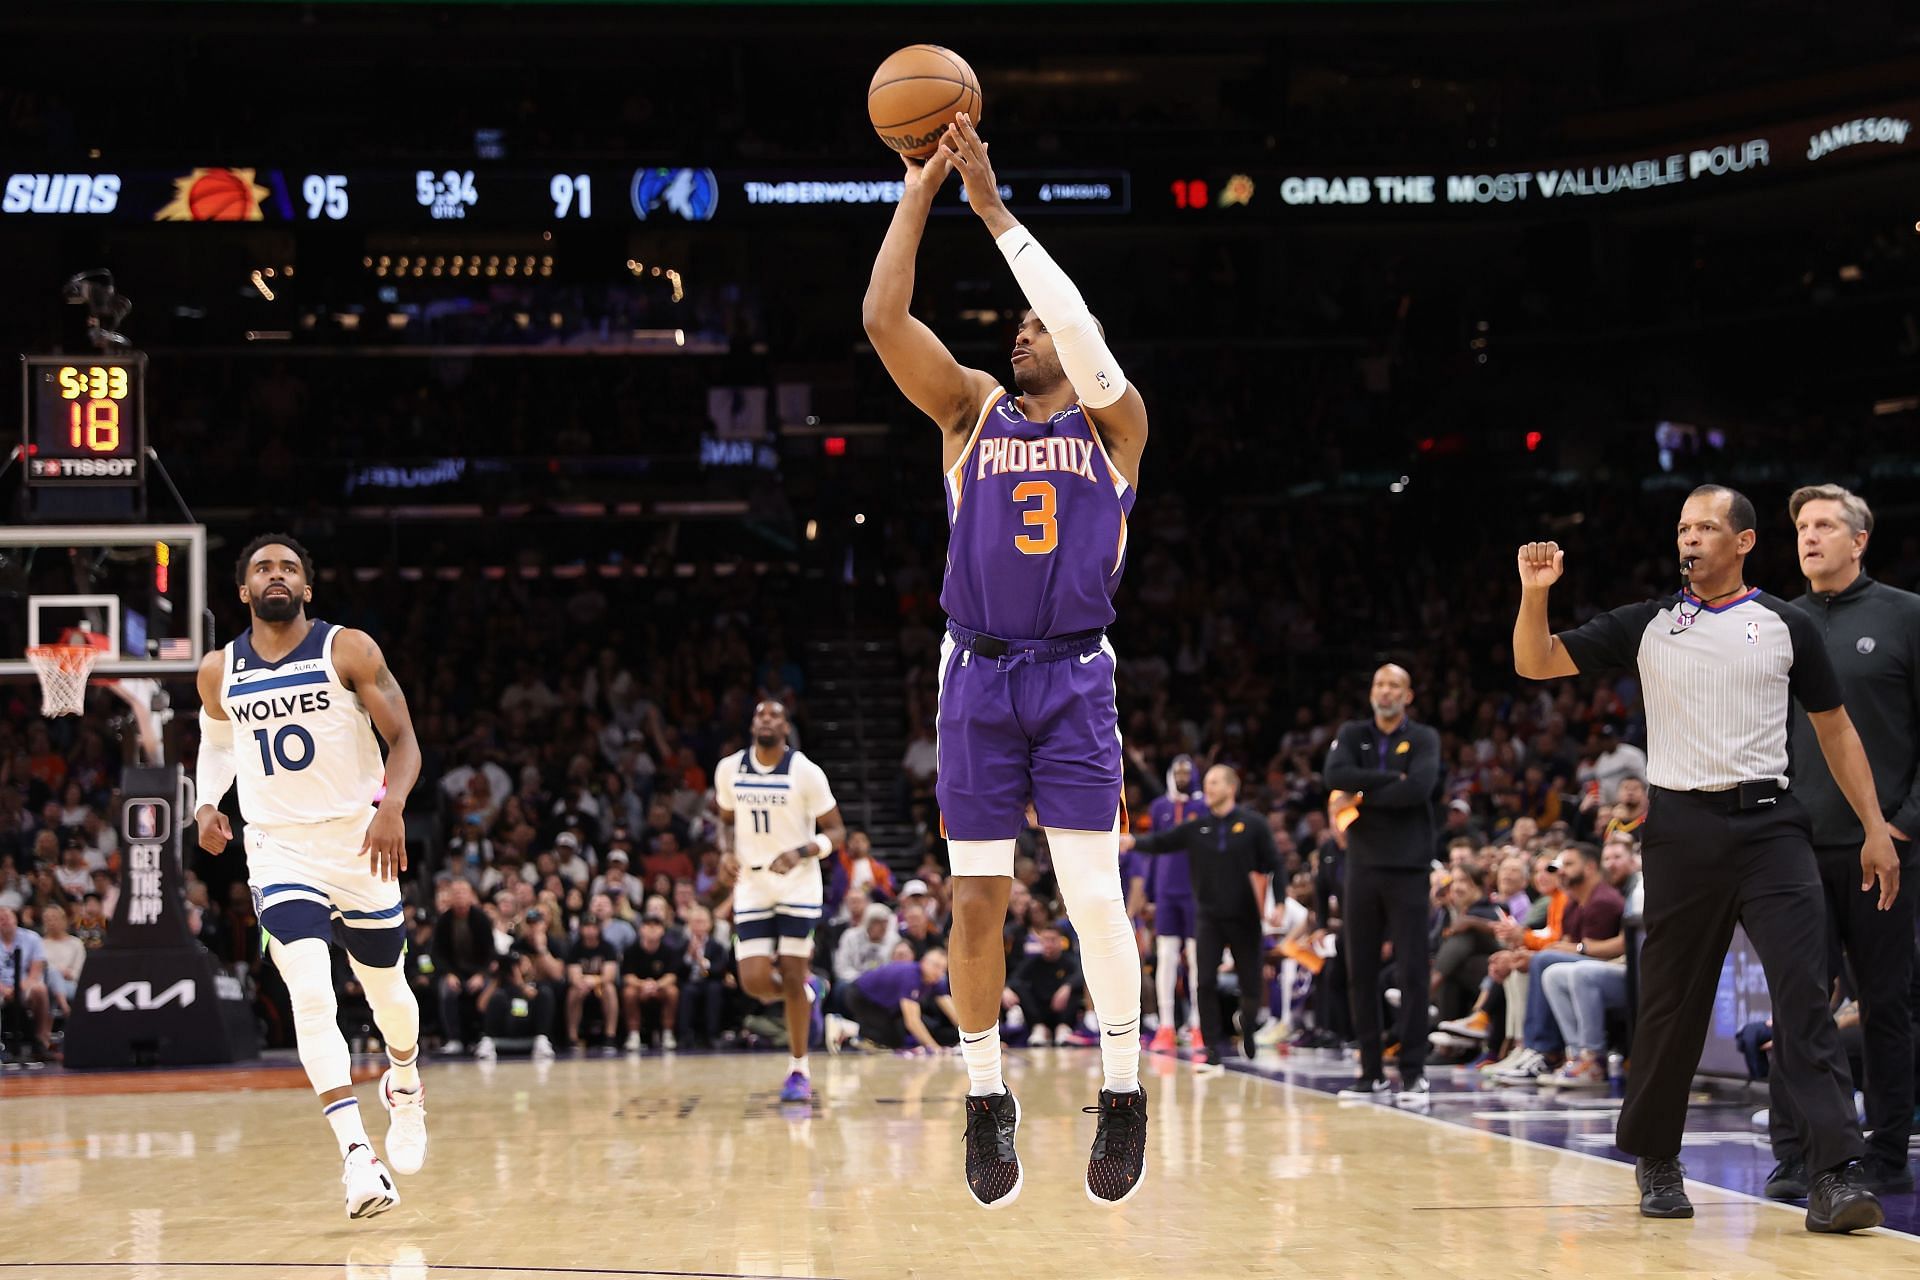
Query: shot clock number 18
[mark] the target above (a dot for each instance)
(85, 420)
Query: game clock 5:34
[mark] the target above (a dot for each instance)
(84, 420)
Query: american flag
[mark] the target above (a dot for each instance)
(175, 650)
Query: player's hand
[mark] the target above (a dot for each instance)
(1126, 843)
(1541, 564)
(215, 830)
(930, 174)
(729, 868)
(969, 155)
(786, 862)
(386, 844)
(1879, 861)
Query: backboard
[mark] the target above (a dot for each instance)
(143, 586)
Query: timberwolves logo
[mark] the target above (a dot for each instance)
(691, 194)
(1864, 644)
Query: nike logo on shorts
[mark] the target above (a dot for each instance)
(1085, 658)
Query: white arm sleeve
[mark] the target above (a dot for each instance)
(213, 772)
(1089, 365)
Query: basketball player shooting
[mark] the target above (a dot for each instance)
(1038, 490)
(323, 863)
(769, 797)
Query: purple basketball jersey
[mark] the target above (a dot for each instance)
(1038, 526)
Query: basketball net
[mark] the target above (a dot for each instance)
(63, 671)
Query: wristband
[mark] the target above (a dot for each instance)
(823, 847)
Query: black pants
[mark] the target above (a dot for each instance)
(1709, 866)
(702, 1006)
(1388, 904)
(1037, 1008)
(878, 1025)
(1878, 947)
(1212, 935)
(501, 1023)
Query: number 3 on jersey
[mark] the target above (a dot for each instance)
(1043, 517)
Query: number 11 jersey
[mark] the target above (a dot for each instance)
(773, 809)
(1037, 517)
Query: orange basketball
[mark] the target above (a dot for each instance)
(220, 196)
(915, 95)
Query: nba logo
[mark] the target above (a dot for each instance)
(145, 823)
(1753, 633)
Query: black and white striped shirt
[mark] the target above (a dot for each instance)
(1719, 682)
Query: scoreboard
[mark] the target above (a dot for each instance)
(84, 420)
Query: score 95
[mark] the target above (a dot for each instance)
(326, 196)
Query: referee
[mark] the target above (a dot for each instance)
(1388, 768)
(1719, 666)
(1872, 634)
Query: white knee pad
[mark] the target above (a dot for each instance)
(1087, 866)
(982, 857)
(395, 1009)
(307, 968)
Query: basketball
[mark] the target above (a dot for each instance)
(916, 94)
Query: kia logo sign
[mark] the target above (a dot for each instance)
(138, 997)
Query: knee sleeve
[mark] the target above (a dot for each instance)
(982, 857)
(307, 968)
(395, 1010)
(1087, 866)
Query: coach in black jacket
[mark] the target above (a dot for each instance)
(1389, 769)
(1872, 633)
(1231, 855)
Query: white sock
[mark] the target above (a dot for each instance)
(1086, 864)
(981, 1049)
(1166, 976)
(800, 1065)
(1193, 980)
(344, 1116)
(406, 1071)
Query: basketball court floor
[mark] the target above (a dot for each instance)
(687, 1166)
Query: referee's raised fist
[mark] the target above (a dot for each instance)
(1541, 564)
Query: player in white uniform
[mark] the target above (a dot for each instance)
(305, 697)
(769, 798)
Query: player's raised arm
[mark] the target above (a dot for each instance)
(364, 670)
(214, 770)
(1110, 402)
(921, 366)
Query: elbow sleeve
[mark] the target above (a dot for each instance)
(1084, 356)
(213, 772)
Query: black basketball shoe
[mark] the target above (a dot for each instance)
(993, 1166)
(1118, 1163)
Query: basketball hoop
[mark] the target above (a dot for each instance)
(63, 671)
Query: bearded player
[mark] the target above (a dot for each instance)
(323, 862)
(769, 797)
(1039, 486)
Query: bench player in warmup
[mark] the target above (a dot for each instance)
(323, 863)
(769, 797)
(1039, 486)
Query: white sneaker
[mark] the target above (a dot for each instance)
(1014, 1019)
(370, 1188)
(1507, 1063)
(839, 1031)
(542, 1049)
(1271, 1033)
(1062, 1035)
(485, 1051)
(1418, 1094)
(667, 1041)
(406, 1124)
(633, 1042)
(452, 1049)
(1528, 1068)
(1369, 1090)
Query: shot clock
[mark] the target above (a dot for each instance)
(84, 420)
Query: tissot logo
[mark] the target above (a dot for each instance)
(83, 468)
(136, 997)
(61, 193)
